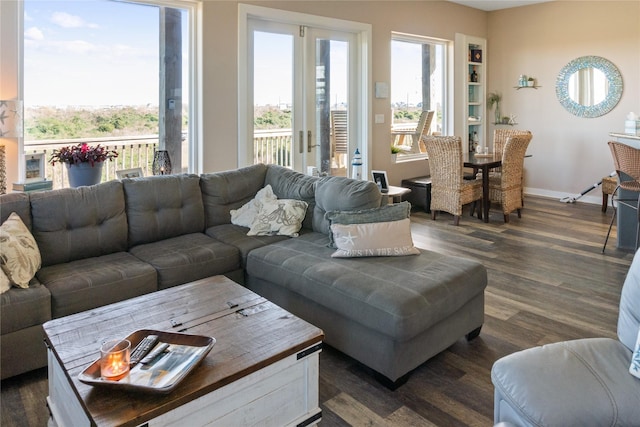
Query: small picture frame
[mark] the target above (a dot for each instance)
(129, 173)
(34, 167)
(380, 178)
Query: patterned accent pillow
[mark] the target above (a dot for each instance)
(245, 215)
(393, 212)
(283, 217)
(19, 256)
(5, 284)
(392, 238)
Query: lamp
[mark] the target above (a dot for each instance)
(161, 163)
(10, 119)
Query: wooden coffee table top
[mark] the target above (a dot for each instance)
(250, 336)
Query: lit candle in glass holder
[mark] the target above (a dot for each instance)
(114, 359)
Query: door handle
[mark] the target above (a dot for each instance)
(301, 141)
(309, 141)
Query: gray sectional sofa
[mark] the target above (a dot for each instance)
(121, 239)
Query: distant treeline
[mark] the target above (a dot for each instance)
(75, 122)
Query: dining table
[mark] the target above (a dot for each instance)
(483, 162)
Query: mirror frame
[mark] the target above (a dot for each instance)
(615, 86)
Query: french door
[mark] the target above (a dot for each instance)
(301, 87)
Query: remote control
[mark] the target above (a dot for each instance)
(160, 348)
(142, 349)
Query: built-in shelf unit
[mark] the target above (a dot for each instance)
(470, 89)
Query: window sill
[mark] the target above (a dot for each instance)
(404, 158)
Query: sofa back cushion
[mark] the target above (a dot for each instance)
(629, 317)
(18, 203)
(289, 184)
(342, 194)
(163, 206)
(77, 223)
(224, 191)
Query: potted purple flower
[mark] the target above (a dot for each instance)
(84, 162)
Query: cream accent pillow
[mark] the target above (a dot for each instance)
(392, 238)
(19, 254)
(5, 284)
(283, 217)
(245, 215)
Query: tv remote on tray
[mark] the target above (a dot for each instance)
(142, 349)
(160, 348)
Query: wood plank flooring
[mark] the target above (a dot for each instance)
(548, 281)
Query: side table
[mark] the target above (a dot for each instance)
(395, 193)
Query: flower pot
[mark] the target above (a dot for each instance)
(83, 174)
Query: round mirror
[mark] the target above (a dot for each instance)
(589, 86)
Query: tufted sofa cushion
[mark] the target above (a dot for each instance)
(93, 282)
(18, 203)
(187, 258)
(77, 223)
(22, 308)
(161, 207)
(224, 191)
(367, 290)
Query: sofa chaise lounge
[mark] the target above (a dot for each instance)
(120, 239)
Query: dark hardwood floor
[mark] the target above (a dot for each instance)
(548, 281)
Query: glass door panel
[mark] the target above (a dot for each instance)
(331, 71)
(273, 97)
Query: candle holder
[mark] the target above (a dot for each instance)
(161, 163)
(114, 359)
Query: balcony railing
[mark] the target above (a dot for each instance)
(270, 146)
(133, 152)
(273, 146)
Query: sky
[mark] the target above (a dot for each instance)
(99, 52)
(90, 52)
(273, 69)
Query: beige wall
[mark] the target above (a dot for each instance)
(569, 153)
(428, 18)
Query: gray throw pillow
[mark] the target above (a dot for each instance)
(393, 212)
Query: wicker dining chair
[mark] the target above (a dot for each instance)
(449, 191)
(506, 188)
(626, 160)
(500, 137)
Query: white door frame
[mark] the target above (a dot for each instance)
(361, 120)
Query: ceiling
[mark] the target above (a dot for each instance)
(490, 5)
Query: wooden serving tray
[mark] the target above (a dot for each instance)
(165, 373)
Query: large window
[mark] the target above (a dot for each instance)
(418, 84)
(113, 73)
